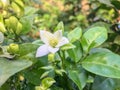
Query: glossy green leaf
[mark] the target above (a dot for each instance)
(102, 83)
(30, 10)
(27, 23)
(9, 68)
(76, 53)
(27, 51)
(106, 64)
(26, 26)
(102, 24)
(75, 34)
(27, 48)
(67, 46)
(96, 50)
(78, 76)
(34, 73)
(94, 37)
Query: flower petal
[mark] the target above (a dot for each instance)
(62, 42)
(45, 36)
(52, 50)
(58, 34)
(42, 51)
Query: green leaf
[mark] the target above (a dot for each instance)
(26, 26)
(116, 3)
(27, 51)
(102, 83)
(47, 82)
(68, 46)
(60, 26)
(75, 53)
(94, 37)
(27, 23)
(38, 42)
(78, 76)
(27, 48)
(34, 73)
(9, 68)
(102, 24)
(30, 10)
(96, 50)
(106, 64)
(75, 34)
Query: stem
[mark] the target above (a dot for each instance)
(63, 55)
(62, 58)
(63, 52)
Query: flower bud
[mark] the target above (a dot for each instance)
(19, 28)
(39, 88)
(13, 48)
(13, 21)
(2, 28)
(51, 57)
(19, 2)
(4, 13)
(21, 78)
(17, 9)
(7, 23)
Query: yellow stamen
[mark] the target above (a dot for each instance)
(53, 42)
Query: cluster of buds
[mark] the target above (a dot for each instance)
(8, 22)
(15, 6)
(14, 25)
(18, 7)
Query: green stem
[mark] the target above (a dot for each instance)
(62, 58)
(63, 52)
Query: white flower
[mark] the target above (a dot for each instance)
(52, 42)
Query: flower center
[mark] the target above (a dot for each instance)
(53, 42)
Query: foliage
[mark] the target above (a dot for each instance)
(89, 61)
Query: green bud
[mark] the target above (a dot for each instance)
(4, 13)
(2, 28)
(7, 23)
(51, 57)
(1, 18)
(13, 48)
(19, 2)
(19, 28)
(39, 88)
(17, 9)
(13, 21)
